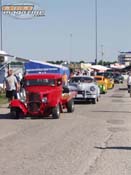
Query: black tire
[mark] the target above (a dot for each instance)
(97, 99)
(94, 101)
(70, 106)
(56, 112)
(16, 113)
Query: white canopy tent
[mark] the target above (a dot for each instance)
(99, 68)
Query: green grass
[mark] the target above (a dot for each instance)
(3, 99)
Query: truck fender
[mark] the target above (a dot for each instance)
(18, 104)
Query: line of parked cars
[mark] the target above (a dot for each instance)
(45, 95)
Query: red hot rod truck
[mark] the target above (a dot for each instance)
(44, 96)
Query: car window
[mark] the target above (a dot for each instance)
(40, 82)
(81, 79)
(98, 78)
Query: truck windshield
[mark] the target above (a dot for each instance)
(40, 82)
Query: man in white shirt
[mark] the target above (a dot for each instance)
(10, 86)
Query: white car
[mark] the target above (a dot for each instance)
(87, 88)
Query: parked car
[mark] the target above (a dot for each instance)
(110, 82)
(101, 83)
(87, 88)
(45, 96)
(108, 79)
(118, 78)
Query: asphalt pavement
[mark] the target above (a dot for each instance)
(94, 140)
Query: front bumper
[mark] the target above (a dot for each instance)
(85, 97)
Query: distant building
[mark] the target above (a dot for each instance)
(124, 58)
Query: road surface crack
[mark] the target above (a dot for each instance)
(98, 156)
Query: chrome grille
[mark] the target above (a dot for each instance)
(88, 92)
(81, 92)
(34, 106)
(33, 102)
(32, 97)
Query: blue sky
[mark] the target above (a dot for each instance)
(67, 32)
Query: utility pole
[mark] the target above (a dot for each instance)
(96, 31)
(1, 26)
(102, 53)
(70, 48)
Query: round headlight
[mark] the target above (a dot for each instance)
(92, 88)
(44, 99)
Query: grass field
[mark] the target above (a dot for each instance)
(3, 99)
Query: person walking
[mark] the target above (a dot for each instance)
(64, 79)
(11, 86)
(129, 82)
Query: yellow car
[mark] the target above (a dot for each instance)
(110, 83)
(103, 85)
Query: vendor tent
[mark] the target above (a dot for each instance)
(117, 66)
(33, 66)
(99, 68)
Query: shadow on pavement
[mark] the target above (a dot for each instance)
(82, 103)
(4, 112)
(123, 89)
(116, 96)
(5, 116)
(8, 116)
(114, 111)
(115, 147)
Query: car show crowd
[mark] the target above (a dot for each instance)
(49, 93)
(88, 85)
